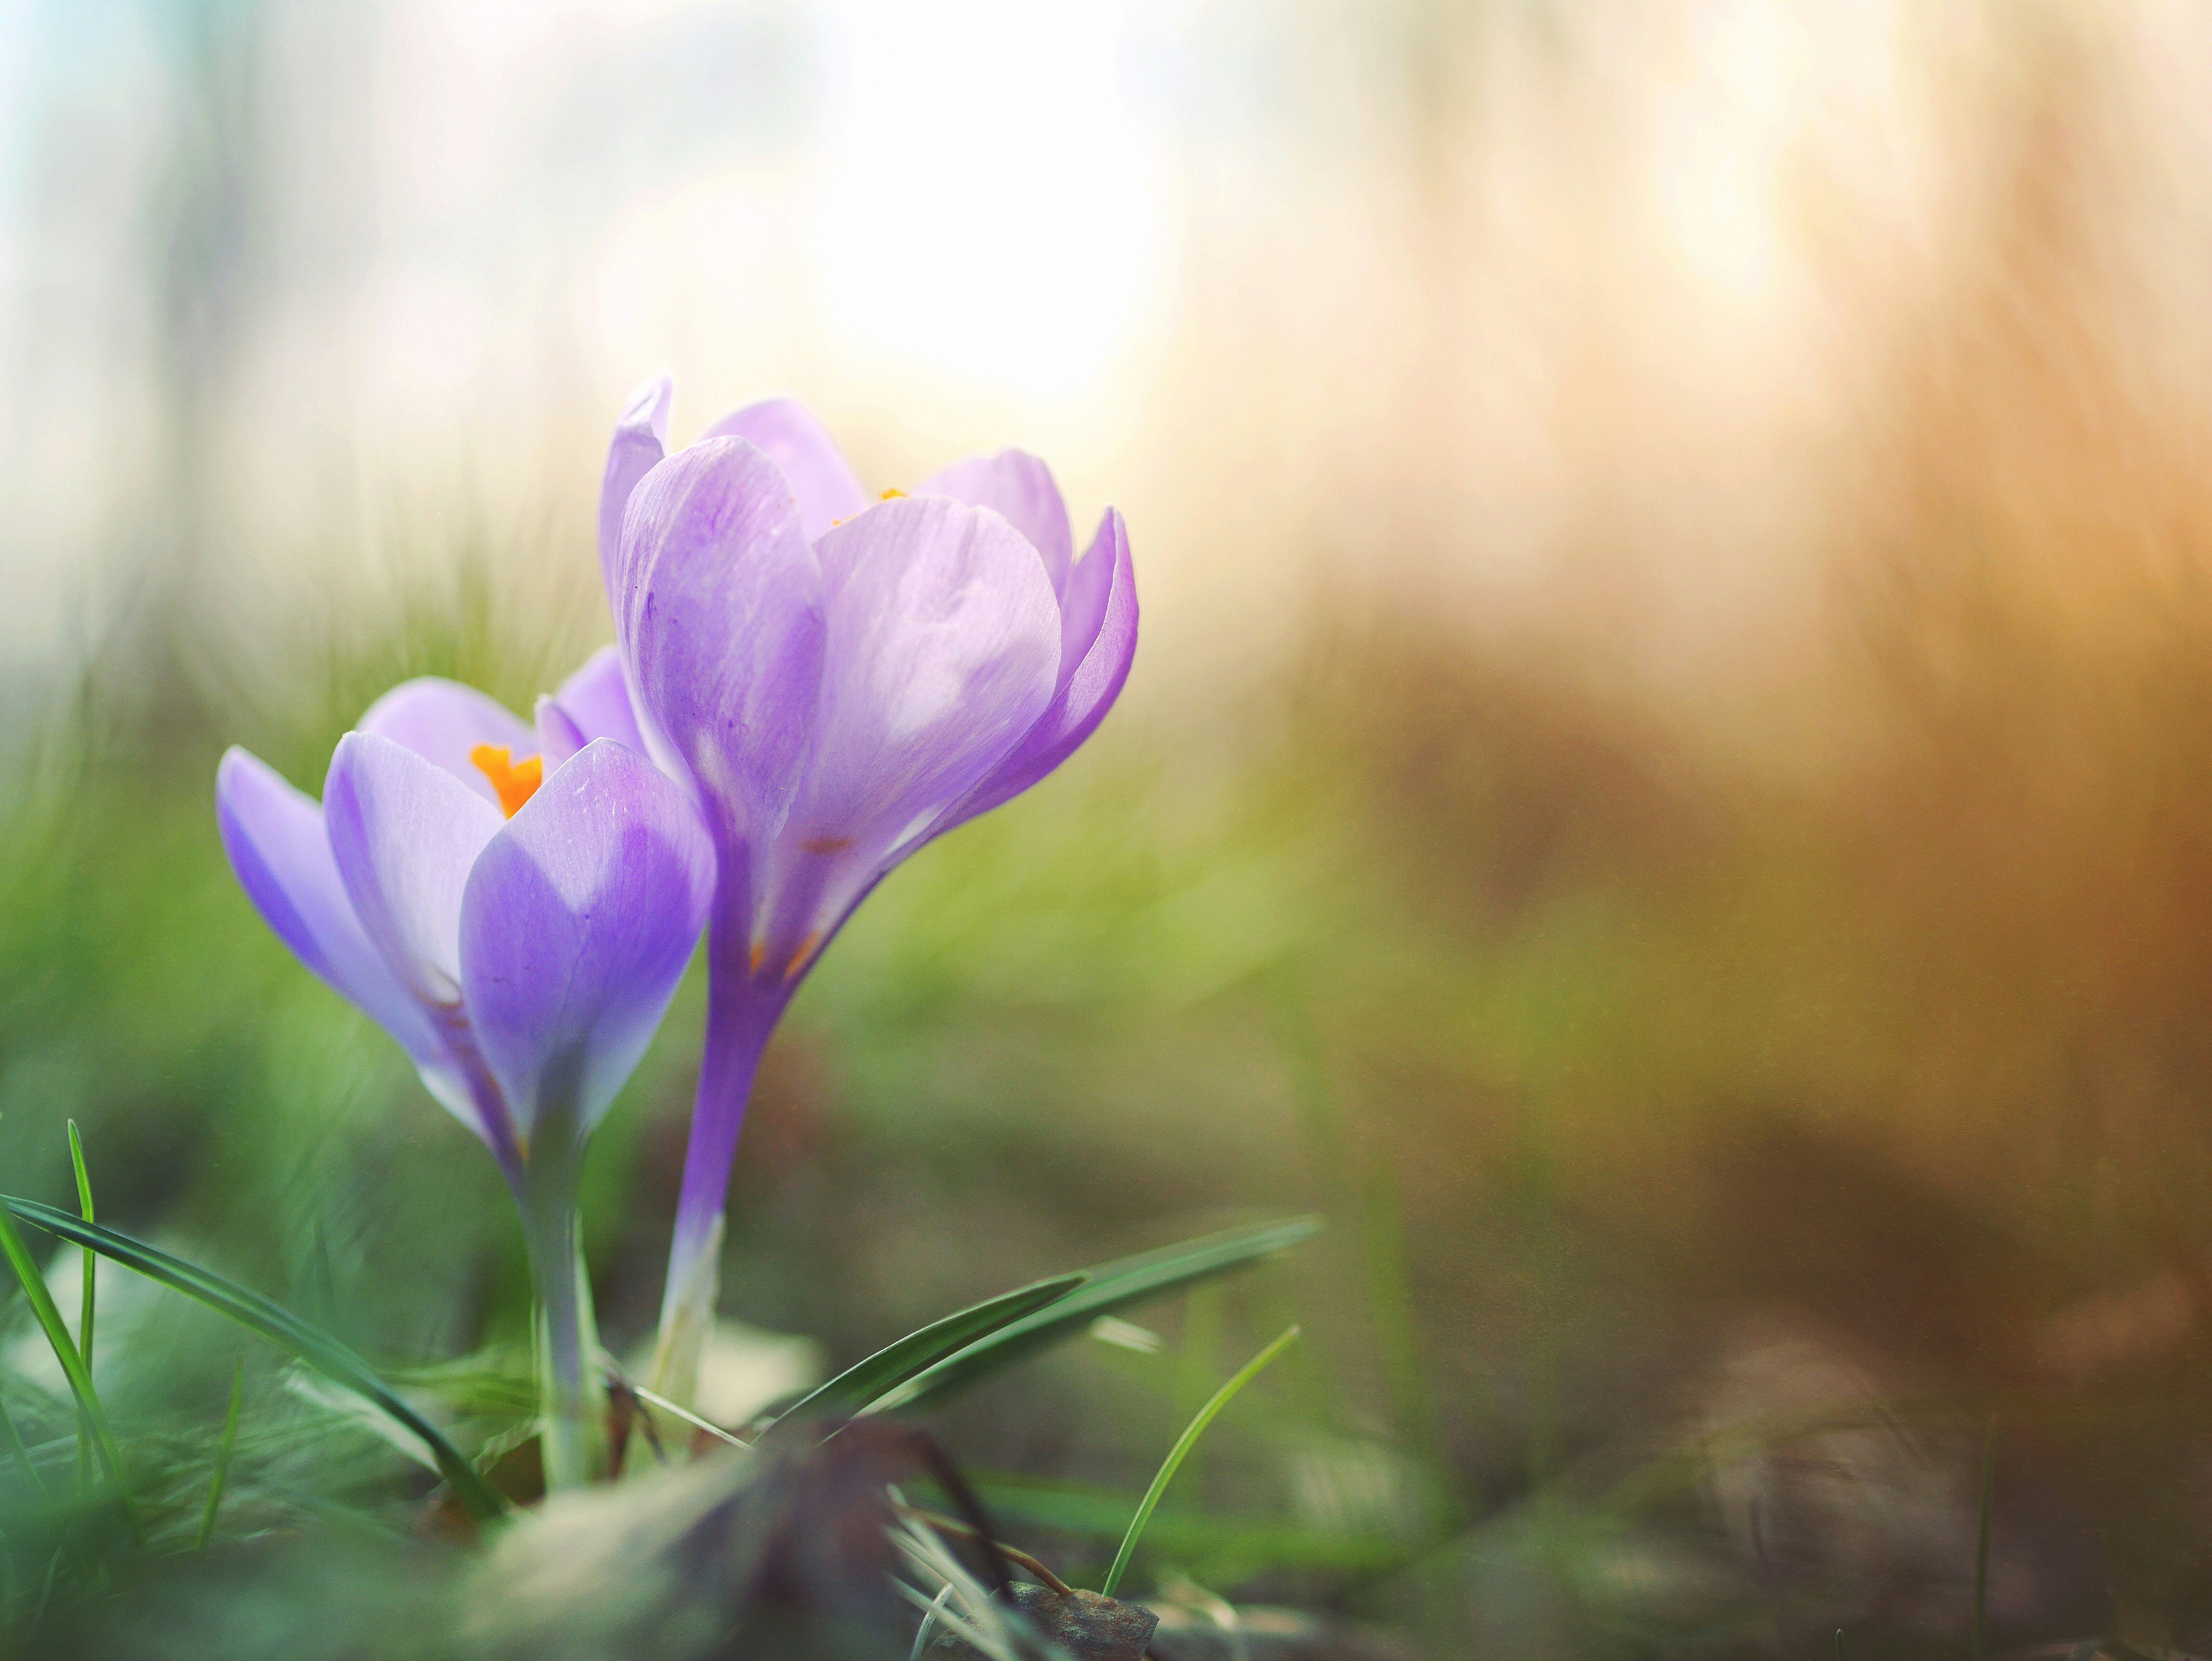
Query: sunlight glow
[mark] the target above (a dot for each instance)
(1717, 177)
(991, 206)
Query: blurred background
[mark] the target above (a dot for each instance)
(1667, 792)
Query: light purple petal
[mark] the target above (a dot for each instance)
(275, 838)
(278, 845)
(559, 736)
(592, 703)
(719, 613)
(640, 440)
(403, 834)
(442, 721)
(801, 446)
(597, 699)
(577, 921)
(1020, 486)
(1098, 642)
(943, 645)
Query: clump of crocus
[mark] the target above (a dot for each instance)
(516, 909)
(837, 679)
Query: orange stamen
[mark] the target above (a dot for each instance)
(515, 781)
(888, 494)
(800, 957)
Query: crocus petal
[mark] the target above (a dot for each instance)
(559, 736)
(801, 446)
(403, 834)
(278, 845)
(640, 440)
(443, 721)
(1098, 642)
(944, 646)
(1019, 486)
(718, 614)
(597, 699)
(579, 919)
(275, 837)
(592, 703)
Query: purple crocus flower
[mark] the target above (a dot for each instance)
(839, 680)
(519, 926)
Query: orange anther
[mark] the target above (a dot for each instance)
(515, 781)
(799, 958)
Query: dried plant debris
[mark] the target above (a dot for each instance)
(714, 1559)
(1229, 1633)
(1085, 1625)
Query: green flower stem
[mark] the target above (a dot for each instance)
(571, 1398)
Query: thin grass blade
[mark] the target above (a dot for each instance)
(929, 1622)
(866, 1382)
(695, 1421)
(88, 1303)
(64, 1349)
(18, 1451)
(1108, 1289)
(223, 1457)
(1212, 1545)
(307, 1344)
(1207, 1414)
(86, 1307)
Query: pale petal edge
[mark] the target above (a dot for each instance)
(1099, 645)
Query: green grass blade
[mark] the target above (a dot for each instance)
(866, 1382)
(17, 1449)
(652, 1400)
(87, 1303)
(1110, 1287)
(307, 1344)
(65, 1350)
(1216, 1544)
(86, 1307)
(1184, 1443)
(1199, 1361)
(223, 1457)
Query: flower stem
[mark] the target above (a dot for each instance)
(571, 1398)
(741, 1011)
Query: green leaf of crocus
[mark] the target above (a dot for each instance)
(307, 1344)
(1107, 1289)
(864, 1383)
